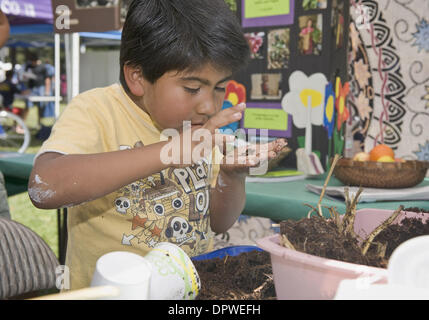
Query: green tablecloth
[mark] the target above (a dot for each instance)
(284, 200)
(16, 168)
(277, 201)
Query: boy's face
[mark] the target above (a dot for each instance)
(186, 96)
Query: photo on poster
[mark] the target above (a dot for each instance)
(314, 4)
(265, 13)
(337, 22)
(256, 41)
(310, 34)
(266, 86)
(278, 48)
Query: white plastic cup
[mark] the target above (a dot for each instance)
(174, 276)
(127, 271)
(409, 263)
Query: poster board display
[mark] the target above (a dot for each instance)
(286, 36)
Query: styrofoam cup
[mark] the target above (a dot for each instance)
(127, 271)
(409, 263)
(174, 276)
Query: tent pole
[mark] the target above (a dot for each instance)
(68, 66)
(57, 75)
(75, 63)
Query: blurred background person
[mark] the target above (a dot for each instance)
(8, 89)
(40, 83)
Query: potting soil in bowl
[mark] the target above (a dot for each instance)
(235, 273)
(323, 258)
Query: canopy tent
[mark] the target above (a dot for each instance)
(31, 24)
(27, 12)
(42, 35)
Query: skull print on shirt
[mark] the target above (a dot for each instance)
(172, 206)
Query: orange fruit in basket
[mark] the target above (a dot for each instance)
(386, 159)
(379, 151)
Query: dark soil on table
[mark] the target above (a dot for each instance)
(319, 236)
(414, 209)
(247, 276)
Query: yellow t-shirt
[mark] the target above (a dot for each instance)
(171, 206)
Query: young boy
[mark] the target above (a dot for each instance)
(105, 158)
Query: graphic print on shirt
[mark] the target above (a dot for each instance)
(171, 206)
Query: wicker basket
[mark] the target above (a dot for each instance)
(387, 175)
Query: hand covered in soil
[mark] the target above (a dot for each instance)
(245, 157)
(196, 141)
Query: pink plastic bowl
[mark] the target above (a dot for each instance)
(299, 275)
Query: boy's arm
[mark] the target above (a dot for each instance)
(63, 180)
(228, 198)
(227, 201)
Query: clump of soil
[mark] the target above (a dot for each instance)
(415, 209)
(320, 237)
(335, 238)
(395, 234)
(247, 276)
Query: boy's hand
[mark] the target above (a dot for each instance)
(197, 141)
(246, 156)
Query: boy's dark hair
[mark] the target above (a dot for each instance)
(176, 35)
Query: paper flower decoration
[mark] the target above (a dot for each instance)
(340, 102)
(329, 114)
(303, 90)
(235, 94)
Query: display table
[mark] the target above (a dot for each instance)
(284, 200)
(265, 202)
(16, 168)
